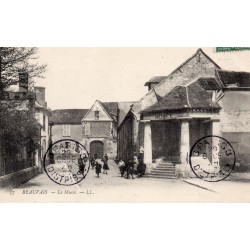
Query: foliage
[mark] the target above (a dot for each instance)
(19, 59)
(19, 129)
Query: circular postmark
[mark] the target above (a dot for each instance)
(212, 158)
(66, 162)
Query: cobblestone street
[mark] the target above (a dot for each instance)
(113, 188)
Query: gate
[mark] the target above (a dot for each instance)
(96, 149)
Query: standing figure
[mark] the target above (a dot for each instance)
(92, 162)
(135, 163)
(141, 170)
(130, 169)
(81, 164)
(141, 153)
(121, 165)
(105, 166)
(98, 168)
(106, 157)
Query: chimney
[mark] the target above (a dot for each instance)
(23, 81)
(40, 95)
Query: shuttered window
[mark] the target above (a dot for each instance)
(87, 128)
(66, 130)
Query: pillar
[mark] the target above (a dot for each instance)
(215, 142)
(147, 143)
(185, 142)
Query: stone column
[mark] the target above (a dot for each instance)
(185, 142)
(215, 142)
(147, 143)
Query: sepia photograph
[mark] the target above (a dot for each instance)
(122, 125)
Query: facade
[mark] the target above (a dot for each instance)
(67, 123)
(42, 114)
(195, 100)
(95, 128)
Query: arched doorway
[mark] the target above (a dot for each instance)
(96, 149)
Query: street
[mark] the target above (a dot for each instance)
(113, 188)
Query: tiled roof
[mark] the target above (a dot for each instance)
(182, 97)
(68, 116)
(234, 79)
(111, 108)
(155, 79)
(124, 108)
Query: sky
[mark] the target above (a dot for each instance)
(76, 77)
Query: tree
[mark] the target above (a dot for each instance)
(19, 59)
(19, 130)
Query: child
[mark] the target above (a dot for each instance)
(105, 166)
(92, 162)
(98, 168)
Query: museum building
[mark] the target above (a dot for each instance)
(197, 99)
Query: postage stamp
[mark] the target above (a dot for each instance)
(231, 49)
(212, 158)
(66, 162)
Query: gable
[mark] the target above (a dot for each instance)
(103, 114)
(198, 65)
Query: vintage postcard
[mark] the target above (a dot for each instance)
(124, 124)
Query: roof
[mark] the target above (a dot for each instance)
(199, 50)
(234, 79)
(155, 79)
(210, 83)
(111, 108)
(68, 116)
(192, 96)
(124, 108)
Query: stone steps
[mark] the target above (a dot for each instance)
(164, 170)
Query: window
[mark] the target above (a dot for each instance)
(66, 130)
(87, 128)
(97, 115)
(44, 119)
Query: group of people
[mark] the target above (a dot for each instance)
(127, 169)
(98, 166)
(132, 167)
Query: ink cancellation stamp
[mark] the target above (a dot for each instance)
(66, 162)
(212, 158)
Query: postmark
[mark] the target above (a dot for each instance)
(66, 162)
(212, 158)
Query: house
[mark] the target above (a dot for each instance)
(197, 99)
(67, 124)
(94, 128)
(42, 114)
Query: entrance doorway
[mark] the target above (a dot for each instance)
(166, 140)
(96, 149)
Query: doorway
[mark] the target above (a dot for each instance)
(96, 149)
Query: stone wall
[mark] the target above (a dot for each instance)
(235, 124)
(76, 132)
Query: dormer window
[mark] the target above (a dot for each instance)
(97, 113)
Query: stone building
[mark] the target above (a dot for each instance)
(95, 128)
(197, 99)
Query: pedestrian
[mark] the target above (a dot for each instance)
(121, 165)
(81, 164)
(129, 169)
(106, 157)
(141, 153)
(105, 166)
(135, 163)
(98, 168)
(92, 162)
(141, 169)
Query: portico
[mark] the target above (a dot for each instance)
(171, 130)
